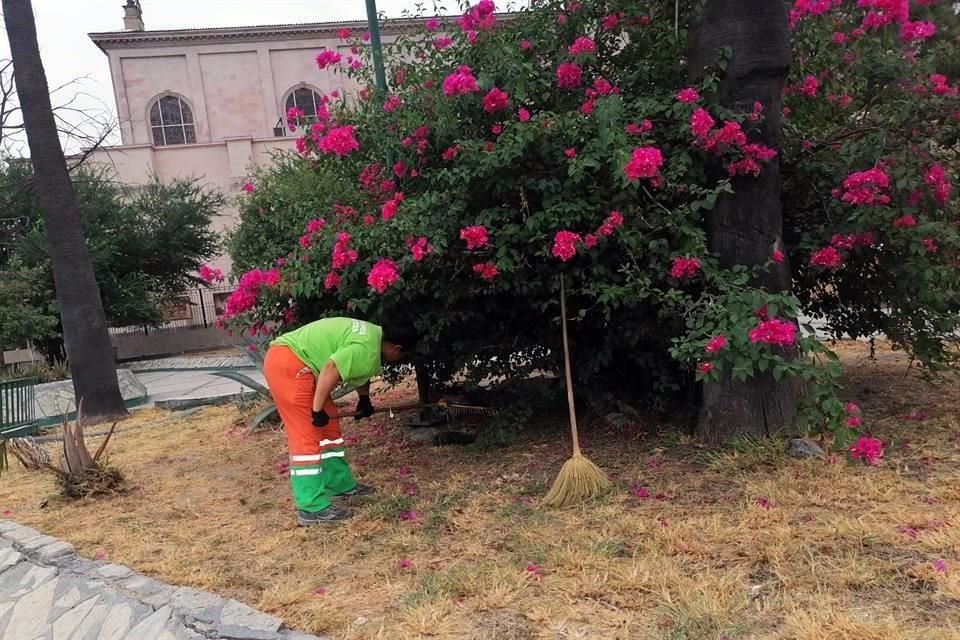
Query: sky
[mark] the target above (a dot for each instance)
(68, 54)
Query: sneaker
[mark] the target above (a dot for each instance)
(330, 514)
(359, 491)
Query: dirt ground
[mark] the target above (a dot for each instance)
(692, 544)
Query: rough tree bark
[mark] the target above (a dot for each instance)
(81, 311)
(745, 227)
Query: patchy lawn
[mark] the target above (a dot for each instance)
(741, 543)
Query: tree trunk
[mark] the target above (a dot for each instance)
(81, 311)
(746, 226)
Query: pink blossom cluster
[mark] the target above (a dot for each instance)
(853, 415)
(495, 100)
(688, 95)
(701, 123)
(343, 255)
(248, 288)
(865, 188)
(753, 155)
(776, 332)
(582, 46)
(905, 221)
(383, 274)
(704, 367)
(339, 141)
(883, 12)
(614, 220)
(569, 75)
(937, 179)
(331, 281)
(392, 103)
(803, 8)
(328, 57)
(248, 187)
(682, 268)
(420, 138)
(432, 25)
(475, 237)
(293, 117)
(916, 31)
(929, 244)
(810, 86)
(389, 208)
(827, 258)
(420, 248)
(479, 17)
(610, 22)
(847, 242)
(460, 82)
(870, 450)
(565, 245)
(209, 274)
(442, 42)
(315, 225)
(634, 129)
(645, 162)
(450, 153)
(715, 344)
(941, 87)
(486, 270)
(373, 182)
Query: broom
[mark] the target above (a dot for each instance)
(579, 478)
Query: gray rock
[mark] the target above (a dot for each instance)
(114, 571)
(117, 622)
(65, 625)
(90, 627)
(7, 525)
(31, 612)
(24, 578)
(198, 605)
(8, 558)
(57, 549)
(149, 591)
(804, 448)
(5, 608)
(21, 534)
(71, 598)
(244, 623)
(296, 635)
(152, 626)
(35, 543)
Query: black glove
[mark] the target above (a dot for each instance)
(320, 418)
(364, 408)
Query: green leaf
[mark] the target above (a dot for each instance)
(266, 414)
(246, 381)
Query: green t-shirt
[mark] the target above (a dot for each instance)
(353, 345)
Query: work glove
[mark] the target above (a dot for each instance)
(364, 408)
(320, 418)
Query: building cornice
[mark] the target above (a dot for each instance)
(140, 39)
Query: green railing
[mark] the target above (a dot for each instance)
(17, 409)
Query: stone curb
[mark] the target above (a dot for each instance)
(178, 612)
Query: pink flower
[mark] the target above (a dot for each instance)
(853, 422)
(810, 86)
(610, 22)
(534, 571)
(392, 103)
(868, 449)
(570, 153)
(404, 564)
(523, 115)
(100, 555)
(343, 255)
(339, 141)
(248, 187)
(344, 34)
(327, 57)
(704, 368)
(684, 268)
(688, 95)
(332, 281)
(716, 344)
(915, 31)
(383, 274)
(248, 289)
(940, 566)
(389, 209)
(929, 244)
(828, 258)
(450, 153)
(475, 236)
(408, 516)
(568, 75)
(486, 270)
(403, 471)
(589, 241)
(210, 274)
(495, 100)
(701, 123)
(905, 222)
(582, 46)
(777, 256)
(526, 45)
(315, 225)
(460, 82)
(420, 248)
(764, 503)
(866, 187)
(639, 492)
(320, 591)
(645, 162)
(774, 332)
(442, 42)
(565, 245)
(432, 24)
(936, 177)
(851, 408)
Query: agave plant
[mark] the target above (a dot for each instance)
(256, 350)
(80, 474)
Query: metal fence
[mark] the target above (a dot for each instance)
(17, 409)
(196, 309)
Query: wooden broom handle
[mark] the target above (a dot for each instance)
(566, 368)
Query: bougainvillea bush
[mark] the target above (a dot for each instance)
(567, 138)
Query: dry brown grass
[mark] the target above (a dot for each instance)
(833, 551)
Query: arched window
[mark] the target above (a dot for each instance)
(172, 121)
(306, 98)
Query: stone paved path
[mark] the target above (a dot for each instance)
(192, 362)
(49, 593)
(182, 389)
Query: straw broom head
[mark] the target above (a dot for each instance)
(579, 479)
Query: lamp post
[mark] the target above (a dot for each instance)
(374, 28)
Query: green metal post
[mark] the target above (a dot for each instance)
(374, 29)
